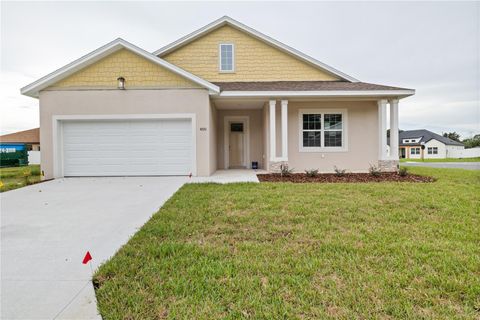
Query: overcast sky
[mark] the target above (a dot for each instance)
(433, 47)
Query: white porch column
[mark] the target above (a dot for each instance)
(273, 141)
(394, 129)
(285, 130)
(382, 130)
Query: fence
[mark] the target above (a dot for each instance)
(464, 153)
(33, 157)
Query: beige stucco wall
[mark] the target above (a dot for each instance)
(111, 102)
(254, 59)
(137, 71)
(362, 135)
(256, 134)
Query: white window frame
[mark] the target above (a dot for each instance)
(416, 149)
(432, 150)
(220, 57)
(322, 112)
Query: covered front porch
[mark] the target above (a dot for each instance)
(299, 133)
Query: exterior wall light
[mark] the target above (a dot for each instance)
(121, 83)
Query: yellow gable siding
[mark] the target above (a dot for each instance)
(254, 60)
(137, 71)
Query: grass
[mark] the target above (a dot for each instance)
(304, 251)
(477, 159)
(14, 178)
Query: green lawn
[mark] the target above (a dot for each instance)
(304, 251)
(13, 177)
(477, 159)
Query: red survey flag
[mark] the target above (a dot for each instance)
(87, 258)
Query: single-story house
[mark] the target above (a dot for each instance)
(224, 96)
(417, 144)
(31, 138)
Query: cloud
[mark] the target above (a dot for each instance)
(432, 47)
(17, 112)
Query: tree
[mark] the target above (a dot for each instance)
(472, 142)
(452, 135)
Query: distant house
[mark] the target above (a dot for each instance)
(434, 145)
(29, 137)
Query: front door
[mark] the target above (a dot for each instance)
(236, 145)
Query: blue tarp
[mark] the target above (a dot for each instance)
(9, 148)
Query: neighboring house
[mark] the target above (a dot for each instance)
(435, 145)
(221, 97)
(31, 138)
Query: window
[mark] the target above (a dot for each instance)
(226, 55)
(333, 130)
(432, 150)
(414, 151)
(236, 127)
(312, 125)
(407, 141)
(322, 130)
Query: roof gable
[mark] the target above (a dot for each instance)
(227, 21)
(34, 88)
(26, 136)
(138, 72)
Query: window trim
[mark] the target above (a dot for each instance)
(343, 112)
(431, 150)
(220, 57)
(416, 149)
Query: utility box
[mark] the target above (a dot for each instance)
(13, 154)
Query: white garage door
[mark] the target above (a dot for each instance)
(127, 147)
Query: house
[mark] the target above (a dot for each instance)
(224, 96)
(424, 144)
(31, 140)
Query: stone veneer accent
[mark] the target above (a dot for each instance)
(274, 166)
(388, 165)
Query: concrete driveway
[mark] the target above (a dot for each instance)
(456, 165)
(47, 228)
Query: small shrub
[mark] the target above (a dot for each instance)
(26, 175)
(339, 172)
(311, 173)
(35, 171)
(375, 170)
(403, 172)
(285, 170)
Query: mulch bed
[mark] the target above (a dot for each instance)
(347, 178)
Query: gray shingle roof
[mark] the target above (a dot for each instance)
(301, 86)
(426, 136)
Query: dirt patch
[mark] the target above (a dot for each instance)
(347, 178)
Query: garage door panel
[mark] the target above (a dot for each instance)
(127, 147)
